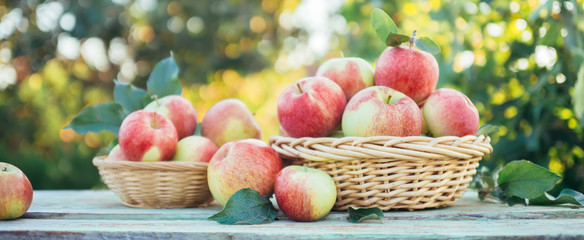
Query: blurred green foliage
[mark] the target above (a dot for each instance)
(518, 61)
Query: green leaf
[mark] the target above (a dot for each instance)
(525, 179)
(198, 130)
(566, 196)
(362, 214)
(487, 129)
(130, 97)
(382, 24)
(578, 97)
(246, 206)
(396, 39)
(163, 80)
(428, 45)
(95, 118)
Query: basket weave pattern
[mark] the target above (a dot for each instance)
(156, 184)
(391, 172)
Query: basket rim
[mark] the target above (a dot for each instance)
(102, 162)
(415, 148)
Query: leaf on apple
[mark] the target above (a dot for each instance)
(247, 207)
(163, 80)
(130, 97)
(362, 214)
(525, 179)
(487, 129)
(382, 23)
(396, 39)
(95, 118)
(428, 45)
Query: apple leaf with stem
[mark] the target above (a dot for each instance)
(487, 129)
(362, 214)
(95, 118)
(578, 97)
(382, 23)
(566, 196)
(246, 206)
(163, 80)
(428, 45)
(130, 97)
(396, 39)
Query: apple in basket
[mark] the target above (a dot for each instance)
(195, 149)
(229, 120)
(311, 107)
(147, 136)
(305, 194)
(449, 112)
(408, 70)
(15, 192)
(381, 111)
(242, 164)
(352, 74)
(116, 153)
(179, 111)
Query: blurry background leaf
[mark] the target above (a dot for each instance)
(383, 24)
(163, 80)
(130, 97)
(96, 118)
(487, 129)
(578, 96)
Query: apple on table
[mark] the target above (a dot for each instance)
(247, 163)
(15, 192)
(311, 107)
(179, 111)
(147, 136)
(381, 111)
(229, 120)
(352, 74)
(449, 112)
(304, 194)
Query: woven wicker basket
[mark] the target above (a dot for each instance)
(156, 184)
(391, 172)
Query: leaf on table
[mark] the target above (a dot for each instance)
(130, 97)
(396, 39)
(382, 24)
(428, 45)
(163, 80)
(96, 118)
(578, 97)
(487, 129)
(525, 179)
(362, 214)
(246, 206)
(566, 196)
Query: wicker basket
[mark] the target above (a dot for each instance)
(391, 172)
(156, 184)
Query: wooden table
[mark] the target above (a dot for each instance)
(101, 215)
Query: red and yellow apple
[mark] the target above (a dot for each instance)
(311, 107)
(247, 163)
(15, 192)
(147, 136)
(381, 111)
(352, 74)
(408, 70)
(194, 149)
(305, 194)
(449, 112)
(179, 111)
(116, 153)
(229, 120)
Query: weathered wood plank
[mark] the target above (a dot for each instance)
(99, 214)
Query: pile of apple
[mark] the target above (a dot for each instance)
(398, 98)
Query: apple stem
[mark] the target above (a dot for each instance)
(388, 99)
(155, 97)
(155, 123)
(413, 39)
(299, 88)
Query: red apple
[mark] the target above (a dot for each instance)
(116, 154)
(305, 194)
(179, 111)
(450, 113)
(195, 149)
(242, 164)
(229, 120)
(147, 136)
(15, 192)
(311, 107)
(381, 111)
(408, 70)
(351, 74)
